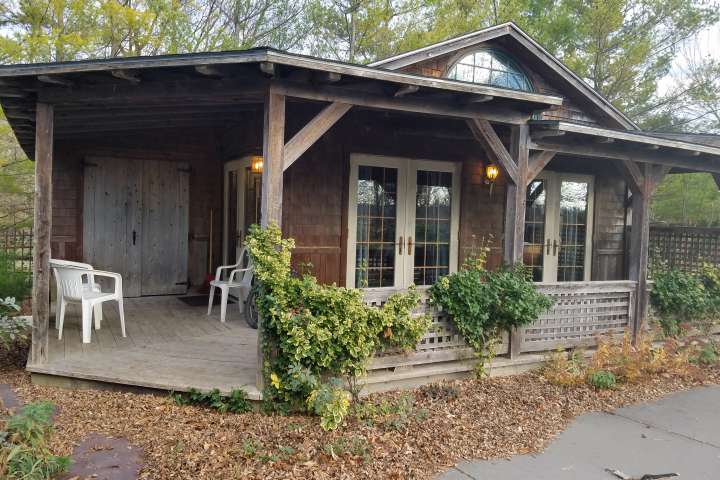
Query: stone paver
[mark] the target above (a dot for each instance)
(680, 433)
(104, 458)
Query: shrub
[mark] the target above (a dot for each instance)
(24, 452)
(14, 334)
(313, 331)
(482, 303)
(563, 369)
(706, 355)
(679, 297)
(13, 284)
(439, 391)
(330, 401)
(236, 402)
(601, 379)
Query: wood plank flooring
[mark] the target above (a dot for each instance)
(169, 346)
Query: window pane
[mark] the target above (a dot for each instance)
(432, 225)
(376, 227)
(492, 67)
(573, 227)
(535, 228)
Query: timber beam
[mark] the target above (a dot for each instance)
(414, 104)
(485, 134)
(312, 131)
(537, 163)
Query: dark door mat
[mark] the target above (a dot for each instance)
(201, 300)
(104, 458)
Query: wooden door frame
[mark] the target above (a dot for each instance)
(239, 164)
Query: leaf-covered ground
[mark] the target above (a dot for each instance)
(496, 417)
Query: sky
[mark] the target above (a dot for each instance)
(708, 44)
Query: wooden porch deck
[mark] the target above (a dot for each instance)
(169, 346)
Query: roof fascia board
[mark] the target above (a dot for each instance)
(441, 48)
(624, 136)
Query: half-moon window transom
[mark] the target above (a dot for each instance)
(490, 67)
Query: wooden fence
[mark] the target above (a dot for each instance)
(686, 248)
(16, 245)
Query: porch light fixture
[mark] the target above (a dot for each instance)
(491, 172)
(256, 166)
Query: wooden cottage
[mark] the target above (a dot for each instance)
(384, 174)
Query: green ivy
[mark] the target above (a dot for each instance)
(236, 402)
(313, 331)
(483, 303)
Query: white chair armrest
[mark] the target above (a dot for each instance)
(236, 271)
(218, 272)
(116, 276)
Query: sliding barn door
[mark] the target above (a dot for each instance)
(165, 228)
(112, 218)
(136, 223)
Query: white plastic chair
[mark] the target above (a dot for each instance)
(73, 287)
(240, 278)
(90, 285)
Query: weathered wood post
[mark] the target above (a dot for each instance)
(272, 183)
(645, 180)
(42, 227)
(515, 212)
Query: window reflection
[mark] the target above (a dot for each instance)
(490, 67)
(432, 226)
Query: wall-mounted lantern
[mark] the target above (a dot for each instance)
(491, 173)
(256, 165)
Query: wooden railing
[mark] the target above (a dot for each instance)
(582, 311)
(686, 248)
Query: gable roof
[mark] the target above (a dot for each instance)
(510, 30)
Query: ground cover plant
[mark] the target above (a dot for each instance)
(24, 445)
(14, 334)
(236, 402)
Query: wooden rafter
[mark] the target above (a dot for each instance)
(312, 131)
(537, 163)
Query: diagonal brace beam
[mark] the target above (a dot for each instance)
(484, 133)
(312, 131)
(537, 163)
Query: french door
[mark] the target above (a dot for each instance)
(403, 221)
(558, 227)
(242, 187)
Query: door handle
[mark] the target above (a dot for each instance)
(134, 236)
(555, 247)
(547, 246)
(409, 246)
(400, 246)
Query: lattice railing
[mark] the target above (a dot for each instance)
(686, 248)
(582, 311)
(442, 342)
(16, 245)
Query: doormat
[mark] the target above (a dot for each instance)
(201, 300)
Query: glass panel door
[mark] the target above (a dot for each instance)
(558, 227)
(535, 216)
(242, 194)
(403, 221)
(573, 225)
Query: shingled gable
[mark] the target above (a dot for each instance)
(534, 55)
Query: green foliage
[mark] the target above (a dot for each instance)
(680, 297)
(482, 303)
(313, 331)
(24, 450)
(236, 402)
(356, 446)
(601, 379)
(707, 355)
(13, 284)
(330, 401)
(689, 199)
(14, 334)
(439, 391)
(389, 414)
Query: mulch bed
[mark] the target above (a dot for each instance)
(492, 418)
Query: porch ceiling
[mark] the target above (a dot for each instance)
(595, 142)
(228, 80)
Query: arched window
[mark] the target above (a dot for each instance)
(490, 67)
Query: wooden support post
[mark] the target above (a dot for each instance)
(42, 226)
(272, 187)
(643, 181)
(515, 212)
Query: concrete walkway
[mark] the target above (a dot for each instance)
(678, 434)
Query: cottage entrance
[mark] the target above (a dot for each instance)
(558, 227)
(403, 221)
(242, 193)
(135, 223)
